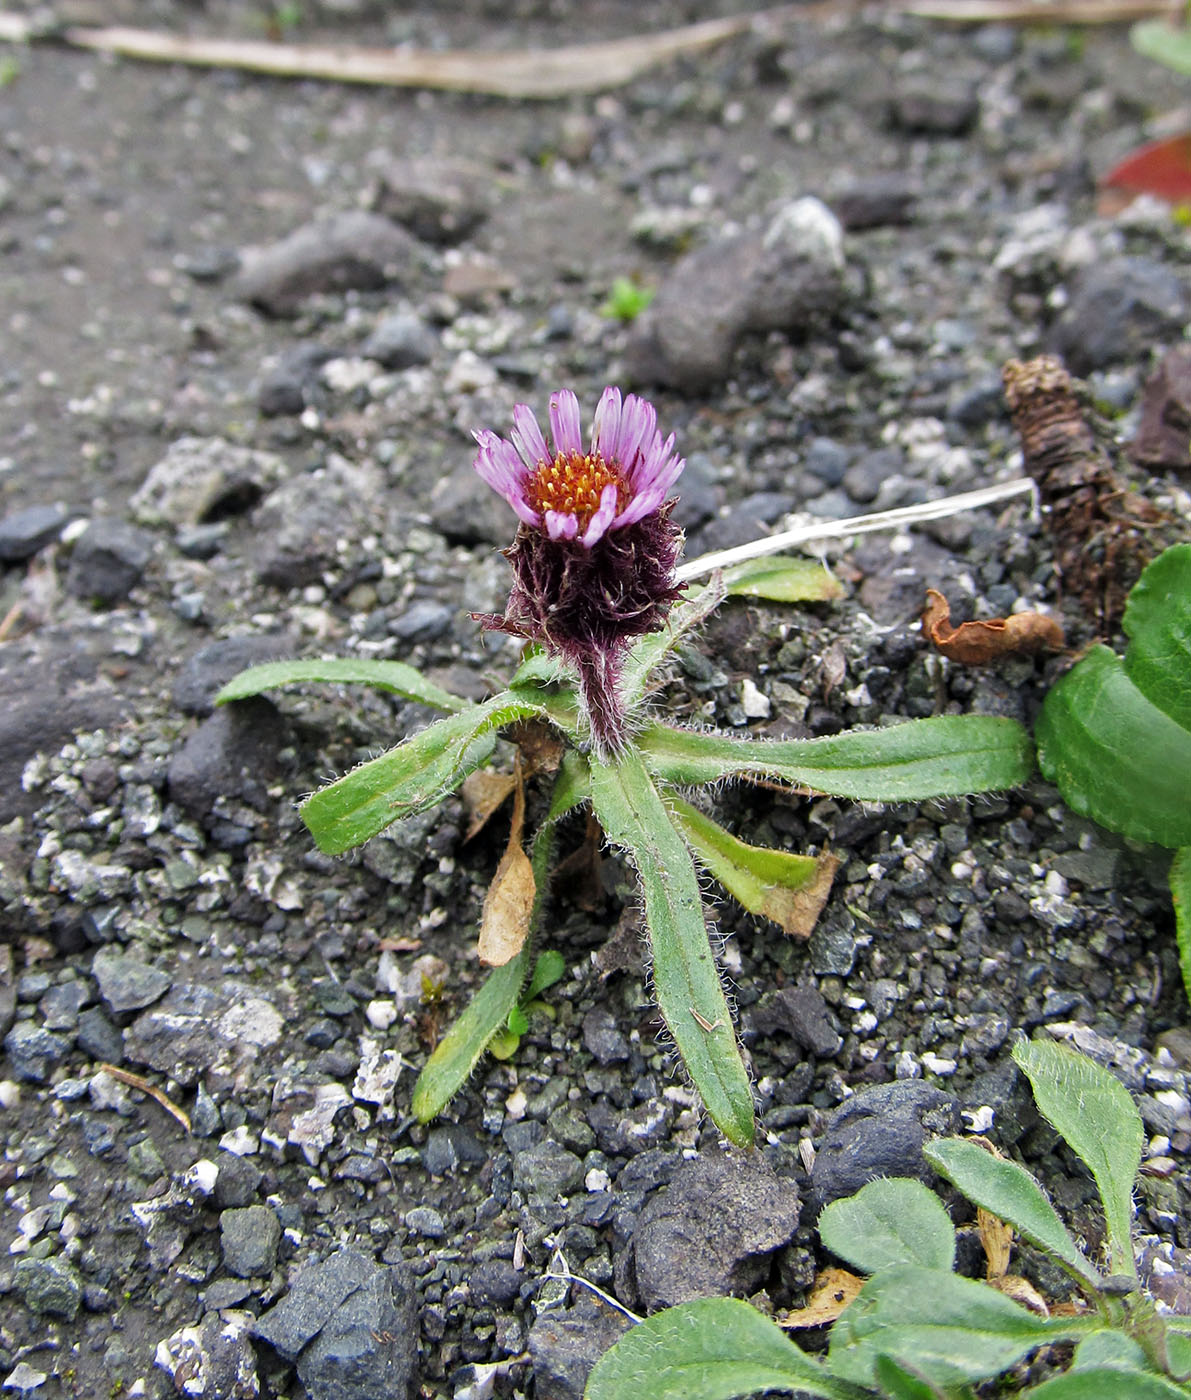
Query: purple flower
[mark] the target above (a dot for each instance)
(594, 557)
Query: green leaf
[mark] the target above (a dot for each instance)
(889, 1222)
(550, 967)
(394, 676)
(782, 578)
(1178, 1348)
(1108, 1347)
(686, 979)
(539, 668)
(1167, 44)
(950, 1329)
(572, 785)
(1107, 1383)
(1114, 755)
(900, 1383)
(711, 1349)
(1180, 892)
(767, 882)
(945, 756)
(1157, 621)
(457, 1053)
(518, 1022)
(415, 775)
(648, 653)
(1011, 1194)
(1094, 1114)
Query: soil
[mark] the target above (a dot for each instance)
(164, 909)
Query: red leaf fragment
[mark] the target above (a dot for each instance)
(1161, 168)
(980, 643)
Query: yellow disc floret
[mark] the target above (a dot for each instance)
(572, 484)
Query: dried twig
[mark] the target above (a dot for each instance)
(134, 1081)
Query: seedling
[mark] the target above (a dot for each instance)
(916, 1330)
(594, 595)
(626, 300)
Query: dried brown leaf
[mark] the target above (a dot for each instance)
(541, 746)
(997, 1240)
(797, 911)
(834, 1289)
(1021, 1291)
(483, 792)
(508, 905)
(981, 643)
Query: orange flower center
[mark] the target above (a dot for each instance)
(573, 483)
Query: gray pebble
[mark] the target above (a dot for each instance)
(108, 559)
(440, 200)
(204, 673)
(547, 1170)
(564, 1346)
(33, 1052)
(24, 532)
(400, 341)
(1118, 309)
(422, 621)
(50, 1286)
(249, 1237)
(99, 1038)
(425, 1221)
(233, 753)
(61, 1005)
(203, 479)
(127, 984)
(237, 1183)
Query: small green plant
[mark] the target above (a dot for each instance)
(1115, 735)
(626, 300)
(549, 968)
(594, 594)
(919, 1331)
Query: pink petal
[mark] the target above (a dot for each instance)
(603, 517)
(605, 430)
(498, 464)
(564, 422)
(562, 524)
(527, 436)
(637, 424)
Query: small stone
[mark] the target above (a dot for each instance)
(451, 1146)
(232, 754)
(355, 249)
(755, 703)
(24, 1379)
(400, 341)
(205, 672)
(876, 201)
(249, 1237)
(125, 983)
(564, 1346)
(204, 479)
(293, 383)
(604, 1038)
(61, 1005)
(1118, 309)
(495, 1281)
(935, 109)
(33, 1052)
(437, 199)
(237, 1183)
(98, 1037)
(547, 1170)
(306, 523)
(213, 1360)
(1163, 438)
(802, 1014)
(108, 559)
(425, 1221)
(24, 532)
(423, 621)
(49, 1286)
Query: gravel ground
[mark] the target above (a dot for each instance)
(246, 338)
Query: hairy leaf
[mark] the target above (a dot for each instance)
(782, 578)
(889, 1222)
(1108, 1347)
(778, 885)
(1107, 1383)
(550, 967)
(711, 1349)
(944, 756)
(950, 1329)
(1180, 892)
(1010, 1193)
(1157, 622)
(1114, 755)
(901, 1383)
(686, 979)
(394, 676)
(1094, 1114)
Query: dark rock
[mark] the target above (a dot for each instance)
(874, 201)
(547, 1170)
(108, 559)
(744, 521)
(306, 522)
(978, 403)
(463, 516)
(24, 532)
(780, 280)
(210, 263)
(1163, 438)
(293, 383)
(700, 495)
(638, 1130)
(248, 1238)
(422, 621)
(97, 1037)
(333, 254)
(827, 460)
(214, 1360)
(232, 754)
(440, 200)
(881, 1132)
(935, 108)
(33, 1052)
(604, 1038)
(49, 1286)
(864, 478)
(1118, 309)
(802, 1014)
(237, 1183)
(125, 983)
(451, 1146)
(400, 341)
(205, 672)
(351, 1326)
(426, 1221)
(495, 1281)
(201, 480)
(712, 1230)
(564, 1346)
(196, 1030)
(61, 1005)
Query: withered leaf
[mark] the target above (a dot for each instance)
(980, 643)
(997, 1240)
(1021, 1291)
(797, 911)
(483, 792)
(508, 905)
(834, 1289)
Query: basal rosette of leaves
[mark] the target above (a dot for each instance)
(595, 653)
(1114, 734)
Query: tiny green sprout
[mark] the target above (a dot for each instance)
(596, 596)
(10, 70)
(626, 300)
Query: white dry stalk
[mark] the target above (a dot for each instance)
(857, 525)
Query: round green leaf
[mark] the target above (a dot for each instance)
(889, 1222)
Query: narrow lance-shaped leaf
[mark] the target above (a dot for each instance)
(889, 1222)
(711, 1349)
(782, 578)
(1094, 1114)
(1011, 1194)
(394, 676)
(1114, 755)
(1180, 892)
(413, 776)
(778, 885)
(686, 979)
(939, 757)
